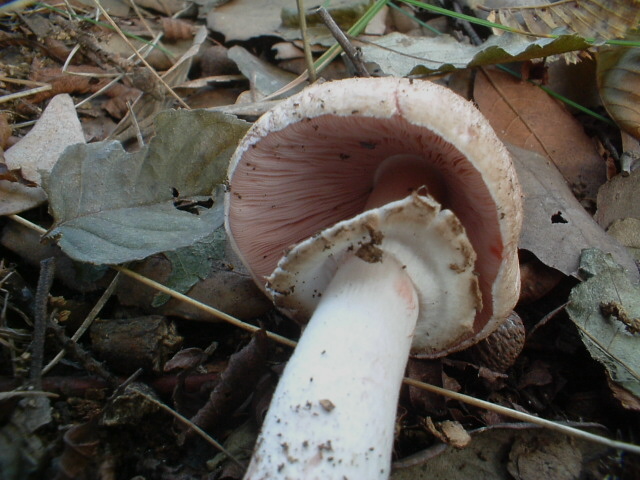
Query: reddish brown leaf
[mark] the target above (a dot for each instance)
(524, 115)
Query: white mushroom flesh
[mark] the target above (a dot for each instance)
(364, 282)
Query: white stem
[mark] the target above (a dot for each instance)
(333, 413)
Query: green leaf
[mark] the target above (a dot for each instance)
(111, 206)
(606, 308)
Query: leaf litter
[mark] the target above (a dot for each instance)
(111, 204)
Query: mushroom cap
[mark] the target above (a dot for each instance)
(446, 285)
(311, 162)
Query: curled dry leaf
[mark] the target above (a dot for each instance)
(449, 432)
(132, 343)
(177, 29)
(602, 19)
(619, 82)
(81, 445)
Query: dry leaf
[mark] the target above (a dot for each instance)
(264, 77)
(147, 107)
(14, 175)
(71, 81)
(524, 115)
(619, 83)
(605, 309)
(602, 19)
(556, 227)
(617, 199)
(401, 55)
(177, 29)
(485, 457)
(627, 399)
(38, 151)
(245, 19)
(57, 128)
(539, 458)
(449, 432)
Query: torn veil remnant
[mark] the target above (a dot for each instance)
(404, 211)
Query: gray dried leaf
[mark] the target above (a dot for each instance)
(111, 206)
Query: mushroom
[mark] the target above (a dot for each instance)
(398, 213)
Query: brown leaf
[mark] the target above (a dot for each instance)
(619, 83)
(627, 399)
(451, 433)
(602, 19)
(176, 29)
(524, 115)
(38, 151)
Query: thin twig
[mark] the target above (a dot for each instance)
(213, 311)
(350, 51)
(25, 93)
(90, 364)
(305, 40)
(136, 125)
(26, 393)
(142, 59)
(466, 25)
(524, 417)
(47, 269)
(184, 420)
(106, 295)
